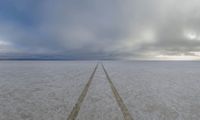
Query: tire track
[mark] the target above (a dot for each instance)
(76, 108)
(124, 109)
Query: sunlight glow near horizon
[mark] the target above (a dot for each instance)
(178, 57)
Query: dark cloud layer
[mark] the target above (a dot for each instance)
(100, 29)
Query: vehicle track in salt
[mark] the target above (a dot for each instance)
(124, 109)
(74, 113)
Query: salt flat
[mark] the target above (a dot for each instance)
(41, 90)
(158, 90)
(44, 90)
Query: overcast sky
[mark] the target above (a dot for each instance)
(100, 29)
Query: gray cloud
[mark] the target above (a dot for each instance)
(101, 29)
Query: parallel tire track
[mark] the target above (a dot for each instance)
(76, 108)
(124, 109)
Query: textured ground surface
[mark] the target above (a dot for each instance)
(41, 90)
(158, 90)
(49, 90)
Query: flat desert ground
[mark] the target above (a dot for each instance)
(50, 90)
